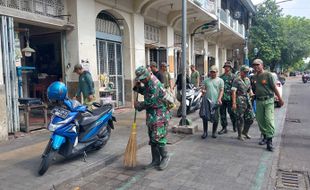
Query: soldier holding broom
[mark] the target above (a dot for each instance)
(157, 115)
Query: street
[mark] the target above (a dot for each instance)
(221, 163)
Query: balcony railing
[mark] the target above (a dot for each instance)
(50, 8)
(207, 5)
(232, 23)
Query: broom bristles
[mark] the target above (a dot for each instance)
(130, 157)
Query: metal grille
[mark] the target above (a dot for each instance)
(293, 120)
(292, 180)
(107, 26)
(151, 33)
(50, 8)
(110, 63)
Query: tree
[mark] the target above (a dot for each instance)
(266, 33)
(280, 40)
(296, 41)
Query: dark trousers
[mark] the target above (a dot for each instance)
(215, 122)
(226, 107)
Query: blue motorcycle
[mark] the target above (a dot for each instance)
(75, 129)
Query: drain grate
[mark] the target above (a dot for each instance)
(292, 120)
(292, 103)
(292, 180)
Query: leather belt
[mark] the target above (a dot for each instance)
(262, 98)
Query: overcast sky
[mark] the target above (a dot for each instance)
(295, 7)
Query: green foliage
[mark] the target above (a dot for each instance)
(284, 40)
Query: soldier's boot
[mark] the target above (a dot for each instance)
(205, 130)
(214, 129)
(155, 158)
(263, 140)
(234, 126)
(240, 137)
(245, 132)
(165, 158)
(224, 130)
(269, 144)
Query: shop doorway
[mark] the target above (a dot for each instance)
(47, 61)
(110, 59)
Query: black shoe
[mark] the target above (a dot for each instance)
(269, 145)
(263, 140)
(205, 130)
(155, 158)
(234, 129)
(204, 135)
(214, 129)
(165, 158)
(223, 131)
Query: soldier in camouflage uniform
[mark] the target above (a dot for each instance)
(157, 115)
(241, 103)
(228, 78)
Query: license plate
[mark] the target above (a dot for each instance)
(60, 112)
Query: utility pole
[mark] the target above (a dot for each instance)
(184, 35)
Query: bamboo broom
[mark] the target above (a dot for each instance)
(130, 157)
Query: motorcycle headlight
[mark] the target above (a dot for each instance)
(53, 126)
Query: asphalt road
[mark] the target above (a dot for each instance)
(294, 156)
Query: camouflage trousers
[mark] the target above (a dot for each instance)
(158, 134)
(244, 117)
(226, 107)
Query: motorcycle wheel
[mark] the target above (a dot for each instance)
(98, 147)
(46, 158)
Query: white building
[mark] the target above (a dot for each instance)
(111, 38)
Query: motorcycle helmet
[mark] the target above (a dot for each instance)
(57, 91)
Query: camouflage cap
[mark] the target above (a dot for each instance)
(244, 68)
(153, 64)
(227, 64)
(141, 73)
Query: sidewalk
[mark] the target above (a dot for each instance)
(196, 163)
(20, 158)
(211, 164)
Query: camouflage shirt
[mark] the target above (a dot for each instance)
(242, 88)
(157, 113)
(228, 80)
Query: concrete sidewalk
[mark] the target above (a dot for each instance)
(20, 158)
(196, 164)
(210, 164)
(224, 162)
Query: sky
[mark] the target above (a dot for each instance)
(295, 7)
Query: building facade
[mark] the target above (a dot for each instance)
(112, 38)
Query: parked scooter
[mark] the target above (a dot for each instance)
(193, 100)
(75, 129)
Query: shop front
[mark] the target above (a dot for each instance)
(110, 59)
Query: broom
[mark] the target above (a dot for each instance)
(130, 157)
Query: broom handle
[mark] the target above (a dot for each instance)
(135, 118)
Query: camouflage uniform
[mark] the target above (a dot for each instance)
(244, 112)
(157, 114)
(226, 102)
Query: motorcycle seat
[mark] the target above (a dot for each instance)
(96, 114)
